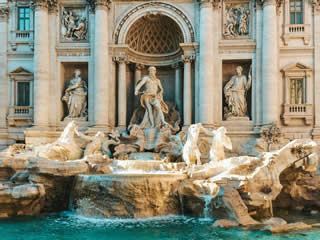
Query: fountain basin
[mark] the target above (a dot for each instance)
(133, 195)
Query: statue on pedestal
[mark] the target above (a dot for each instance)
(152, 100)
(75, 97)
(235, 92)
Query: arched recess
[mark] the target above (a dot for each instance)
(153, 8)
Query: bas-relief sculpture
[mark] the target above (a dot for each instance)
(235, 92)
(74, 24)
(75, 96)
(236, 18)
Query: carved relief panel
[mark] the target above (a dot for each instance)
(73, 23)
(237, 20)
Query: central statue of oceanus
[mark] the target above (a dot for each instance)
(152, 100)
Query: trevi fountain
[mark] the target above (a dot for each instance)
(157, 171)
(162, 120)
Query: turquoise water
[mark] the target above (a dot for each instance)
(66, 225)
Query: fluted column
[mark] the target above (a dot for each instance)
(178, 94)
(122, 92)
(101, 63)
(4, 12)
(41, 63)
(206, 59)
(270, 52)
(187, 90)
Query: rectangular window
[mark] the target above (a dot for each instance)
(23, 94)
(297, 91)
(296, 12)
(23, 19)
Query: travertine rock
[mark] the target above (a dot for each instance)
(224, 223)
(25, 199)
(57, 168)
(127, 195)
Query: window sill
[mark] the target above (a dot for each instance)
(297, 114)
(20, 116)
(297, 31)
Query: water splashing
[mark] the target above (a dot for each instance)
(207, 210)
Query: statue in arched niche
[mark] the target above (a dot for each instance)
(152, 100)
(235, 92)
(75, 97)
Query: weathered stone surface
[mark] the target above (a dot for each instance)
(25, 199)
(127, 195)
(10, 165)
(274, 228)
(301, 190)
(223, 223)
(57, 168)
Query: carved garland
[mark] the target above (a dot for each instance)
(153, 4)
(4, 11)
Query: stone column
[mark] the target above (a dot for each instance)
(55, 96)
(137, 77)
(122, 92)
(101, 63)
(41, 64)
(257, 68)
(178, 94)
(316, 74)
(206, 59)
(4, 12)
(270, 52)
(187, 91)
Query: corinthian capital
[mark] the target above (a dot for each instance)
(98, 3)
(50, 4)
(316, 5)
(187, 58)
(4, 11)
(210, 3)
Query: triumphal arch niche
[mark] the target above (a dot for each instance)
(160, 35)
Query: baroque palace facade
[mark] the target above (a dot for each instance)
(236, 63)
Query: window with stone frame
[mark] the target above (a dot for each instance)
(296, 12)
(23, 19)
(298, 96)
(297, 91)
(23, 93)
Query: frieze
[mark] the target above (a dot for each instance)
(74, 24)
(210, 3)
(236, 20)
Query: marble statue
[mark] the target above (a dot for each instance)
(95, 142)
(191, 153)
(74, 28)
(64, 148)
(235, 92)
(152, 100)
(219, 141)
(75, 97)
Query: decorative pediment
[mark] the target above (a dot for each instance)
(297, 67)
(20, 70)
